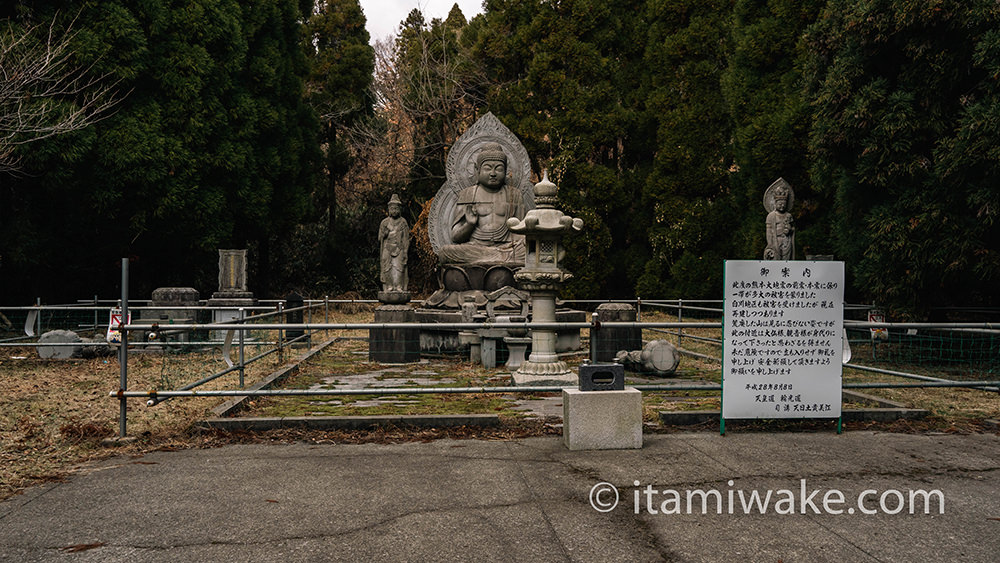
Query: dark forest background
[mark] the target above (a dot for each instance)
(273, 125)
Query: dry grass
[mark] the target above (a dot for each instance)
(54, 414)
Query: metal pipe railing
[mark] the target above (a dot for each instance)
(216, 375)
(240, 326)
(911, 375)
(425, 326)
(156, 394)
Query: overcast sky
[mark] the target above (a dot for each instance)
(384, 15)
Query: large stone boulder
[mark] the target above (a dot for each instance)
(61, 345)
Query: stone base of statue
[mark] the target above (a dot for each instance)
(540, 373)
(233, 300)
(445, 340)
(394, 345)
(460, 281)
(394, 297)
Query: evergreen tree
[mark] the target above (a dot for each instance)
(902, 92)
(340, 76)
(566, 80)
(770, 118)
(213, 147)
(690, 228)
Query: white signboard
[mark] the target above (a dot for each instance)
(783, 339)
(115, 335)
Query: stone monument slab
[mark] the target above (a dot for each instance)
(233, 292)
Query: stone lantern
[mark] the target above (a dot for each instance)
(542, 276)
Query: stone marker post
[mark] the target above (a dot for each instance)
(233, 292)
(294, 301)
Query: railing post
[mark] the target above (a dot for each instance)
(595, 327)
(123, 354)
(38, 320)
(242, 336)
(309, 320)
(326, 315)
(281, 332)
(680, 319)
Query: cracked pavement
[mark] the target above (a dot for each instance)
(513, 501)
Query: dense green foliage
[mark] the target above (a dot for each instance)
(904, 139)
(337, 88)
(565, 77)
(663, 121)
(212, 147)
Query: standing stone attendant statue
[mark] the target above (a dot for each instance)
(394, 237)
(778, 200)
(394, 345)
(479, 232)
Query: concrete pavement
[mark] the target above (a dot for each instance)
(519, 501)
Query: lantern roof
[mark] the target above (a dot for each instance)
(544, 219)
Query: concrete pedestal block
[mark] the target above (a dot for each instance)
(602, 420)
(517, 346)
(488, 353)
(608, 341)
(394, 345)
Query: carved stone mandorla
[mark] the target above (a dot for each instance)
(460, 170)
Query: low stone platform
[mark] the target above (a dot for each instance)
(441, 340)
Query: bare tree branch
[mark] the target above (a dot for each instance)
(389, 146)
(43, 92)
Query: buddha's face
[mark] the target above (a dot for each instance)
(394, 210)
(781, 201)
(492, 174)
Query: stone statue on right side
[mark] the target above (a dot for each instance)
(778, 200)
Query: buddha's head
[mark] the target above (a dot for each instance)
(395, 206)
(491, 166)
(781, 199)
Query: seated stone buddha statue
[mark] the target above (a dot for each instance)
(479, 232)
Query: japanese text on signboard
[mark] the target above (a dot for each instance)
(782, 332)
